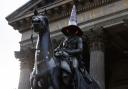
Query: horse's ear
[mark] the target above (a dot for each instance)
(36, 12)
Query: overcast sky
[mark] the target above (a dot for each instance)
(9, 42)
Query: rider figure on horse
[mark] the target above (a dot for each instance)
(72, 44)
(72, 48)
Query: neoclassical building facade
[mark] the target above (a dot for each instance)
(104, 23)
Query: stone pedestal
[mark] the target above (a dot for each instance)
(97, 70)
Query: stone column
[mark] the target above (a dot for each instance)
(97, 67)
(26, 65)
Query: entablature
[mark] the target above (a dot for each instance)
(56, 10)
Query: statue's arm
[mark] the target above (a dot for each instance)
(78, 49)
(59, 47)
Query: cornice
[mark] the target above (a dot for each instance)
(59, 5)
(28, 12)
(19, 10)
(29, 6)
(55, 11)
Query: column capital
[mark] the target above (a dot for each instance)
(26, 53)
(96, 38)
(26, 57)
(96, 34)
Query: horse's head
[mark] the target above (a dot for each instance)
(40, 22)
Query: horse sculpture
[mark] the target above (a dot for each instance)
(44, 66)
(49, 72)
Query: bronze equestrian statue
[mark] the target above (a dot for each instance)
(59, 68)
(45, 68)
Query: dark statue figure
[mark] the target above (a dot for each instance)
(60, 68)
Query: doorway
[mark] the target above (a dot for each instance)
(116, 57)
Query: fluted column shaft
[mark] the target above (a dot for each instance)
(26, 66)
(25, 71)
(97, 67)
